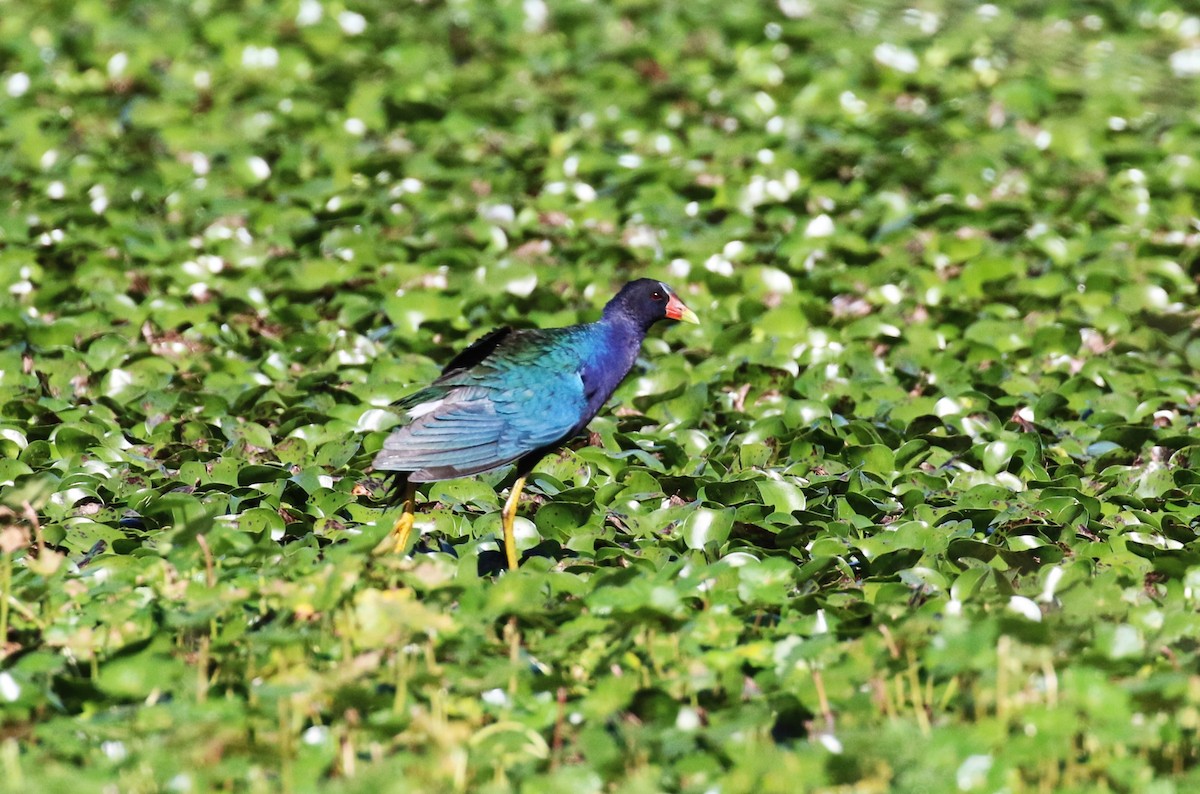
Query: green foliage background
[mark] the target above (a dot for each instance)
(914, 510)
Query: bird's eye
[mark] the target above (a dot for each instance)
(656, 295)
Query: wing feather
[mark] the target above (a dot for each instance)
(465, 425)
(478, 351)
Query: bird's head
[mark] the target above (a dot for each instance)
(647, 301)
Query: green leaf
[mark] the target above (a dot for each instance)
(783, 496)
(704, 525)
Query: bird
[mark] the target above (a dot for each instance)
(515, 395)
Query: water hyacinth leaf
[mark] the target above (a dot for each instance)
(996, 456)
(562, 519)
(969, 582)
(874, 458)
(256, 474)
(137, 671)
(734, 492)
(766, 582)
(11, 470)
(705, 525)
(73, 439)
(783, 496)
(335, 454)
(260, 520)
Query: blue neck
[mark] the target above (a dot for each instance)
(615, 344)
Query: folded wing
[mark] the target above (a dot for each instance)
(458, 429)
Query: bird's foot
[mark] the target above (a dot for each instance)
(396, 541)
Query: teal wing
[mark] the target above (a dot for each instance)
(523, 397)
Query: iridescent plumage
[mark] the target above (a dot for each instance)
(515, 395)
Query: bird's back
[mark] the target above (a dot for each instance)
(510, 394)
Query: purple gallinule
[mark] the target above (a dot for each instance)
(515, 395)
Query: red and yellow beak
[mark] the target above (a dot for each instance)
(677, 311)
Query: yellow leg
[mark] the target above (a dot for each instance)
(404, 524)
(507, 518)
